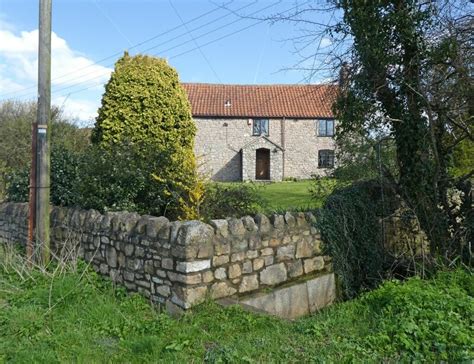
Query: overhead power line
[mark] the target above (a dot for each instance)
(130, 48)
(81, 79)
(202, 45)
(195, 42)
(183, 43)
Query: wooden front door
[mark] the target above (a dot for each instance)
(262, 165)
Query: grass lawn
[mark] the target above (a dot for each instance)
(289, 195)
(75, 316)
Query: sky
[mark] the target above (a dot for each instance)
(218, 41)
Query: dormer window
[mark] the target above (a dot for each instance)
(260, 127)
(325, 127)
(227, 103)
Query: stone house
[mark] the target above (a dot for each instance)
(263, 132)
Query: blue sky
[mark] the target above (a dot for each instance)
(89, 36)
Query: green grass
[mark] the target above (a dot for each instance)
(290, 195)
(74, 316)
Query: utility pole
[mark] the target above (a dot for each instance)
(42, 133)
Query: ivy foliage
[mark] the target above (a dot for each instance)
(409, 77)
(350, 228)
(65, 165)
(143, 137)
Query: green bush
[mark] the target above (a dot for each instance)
(145, 108)
(230, 200)
(424, 320)
(16, 118)
(351, 231)
(64, 179)
(121, 178)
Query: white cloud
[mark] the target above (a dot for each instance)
(67, 66)
(84, 111)
(325, 42)
(70, 71)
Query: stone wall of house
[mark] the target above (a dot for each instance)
(219, 141)
(179, 264)
(301, 148)
(249, 159)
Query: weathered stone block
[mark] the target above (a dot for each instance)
(222, 289)
(167, 263)
(236, 227)
(174, 229)
(269, 259)
(220, 274)
(247, 267)
(239, 245)
(221, 246)
(321, 292)
(234, 271)
(267, 251)
(286, 253)
(290, 219)
(278, 221)
(249, 223)
(295, 269)
(273, 275)
(258, 263)
(185, 252)
(185, 278)
(139, 252)
(274, 242)
(304, 249)
(221, 227)
(191, 267)
(248, 283)
(163, 290)
(313, 264)
(263, 223)
(199, 235)
(310, 218)
(237, 257)
(207, 277)
(301, 219)
(188, 297)
(255, 242)
(111, 257)
(220, 260)
(129, 249)
(149, 267)
(251, 254)
(128, 276)
(155, 224)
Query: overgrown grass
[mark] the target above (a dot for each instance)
(72, 315)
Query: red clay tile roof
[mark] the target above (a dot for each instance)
(296, 101)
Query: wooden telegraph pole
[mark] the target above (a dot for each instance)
(42, 133)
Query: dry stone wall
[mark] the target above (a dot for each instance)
(181, 263)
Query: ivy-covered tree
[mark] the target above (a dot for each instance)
(145, 110)
(409, 75)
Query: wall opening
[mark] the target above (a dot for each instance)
(262, 164)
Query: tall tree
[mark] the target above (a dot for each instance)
(409, 75)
